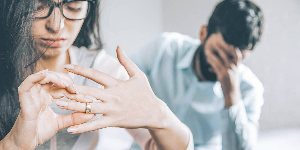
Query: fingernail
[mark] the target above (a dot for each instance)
(42, 71)
(91, 98)
(61, 103)
(72, 130)
(69, 66)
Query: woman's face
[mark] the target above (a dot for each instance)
(55, 34)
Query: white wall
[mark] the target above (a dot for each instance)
(132, 23)
(129, 23)
(275, 60)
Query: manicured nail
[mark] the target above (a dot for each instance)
(69, 66)
(61, 104)
(93, 99)
(42, 71)
(72, 130)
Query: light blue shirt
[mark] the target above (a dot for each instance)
(167, 62)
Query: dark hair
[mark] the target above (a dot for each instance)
(239, 21)
(89, 35)
(18, 56)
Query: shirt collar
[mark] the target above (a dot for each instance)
(186, 60)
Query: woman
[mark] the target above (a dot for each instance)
(54, 26)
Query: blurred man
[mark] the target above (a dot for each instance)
(206, 85)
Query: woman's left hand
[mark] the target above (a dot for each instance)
(126, 104)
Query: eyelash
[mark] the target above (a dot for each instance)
(74, 9)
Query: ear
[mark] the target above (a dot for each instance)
(203, 33)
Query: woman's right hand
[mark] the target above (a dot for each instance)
(37, 122)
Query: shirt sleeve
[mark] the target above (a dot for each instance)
(240, 122)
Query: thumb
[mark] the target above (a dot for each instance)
(130, 67)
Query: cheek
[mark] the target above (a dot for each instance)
(74, 27)
(37, 28)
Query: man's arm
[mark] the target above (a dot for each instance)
(240, 122)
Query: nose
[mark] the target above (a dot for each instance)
(55, 22)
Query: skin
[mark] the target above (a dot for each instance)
(37, 93)
(224, 66)
(116, 102)
(55, 26)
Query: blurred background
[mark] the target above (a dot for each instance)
(133, 23)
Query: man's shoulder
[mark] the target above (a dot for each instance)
(178, 40)
(176, 44)
(249, 81)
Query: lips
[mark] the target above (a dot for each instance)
(53, 43)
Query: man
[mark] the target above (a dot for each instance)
(206, 85)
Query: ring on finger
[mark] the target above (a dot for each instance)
(88, 108)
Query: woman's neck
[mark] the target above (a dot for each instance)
(54, 63)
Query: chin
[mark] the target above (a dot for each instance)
(52, 51)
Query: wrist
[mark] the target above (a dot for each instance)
(162, 117)
(8, 143)
(17, 136)
(168, 127)
(232, 99)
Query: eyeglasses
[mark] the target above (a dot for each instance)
(70, 9)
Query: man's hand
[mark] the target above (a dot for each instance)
(224, 60)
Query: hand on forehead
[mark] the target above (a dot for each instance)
(217, 45)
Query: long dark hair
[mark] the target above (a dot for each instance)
(18, 56)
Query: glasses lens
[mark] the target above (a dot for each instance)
(76, 9)
(42, 9)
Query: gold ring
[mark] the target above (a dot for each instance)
(88, 108)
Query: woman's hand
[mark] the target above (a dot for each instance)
(128, 104)
(37, 122)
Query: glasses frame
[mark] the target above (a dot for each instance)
(60, 4)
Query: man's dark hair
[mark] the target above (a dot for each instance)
(239, 21)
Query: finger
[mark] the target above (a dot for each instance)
(97, 108)
(58, 81)
(239, 55)
(97, 76)
(223, 56)
(103, 122)
(65, 121)
(130, 67)
(67, 78)
(31, 80)
(221, 42)
(100, 94)
(57, 93)
(216, 64)
(228, 49)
